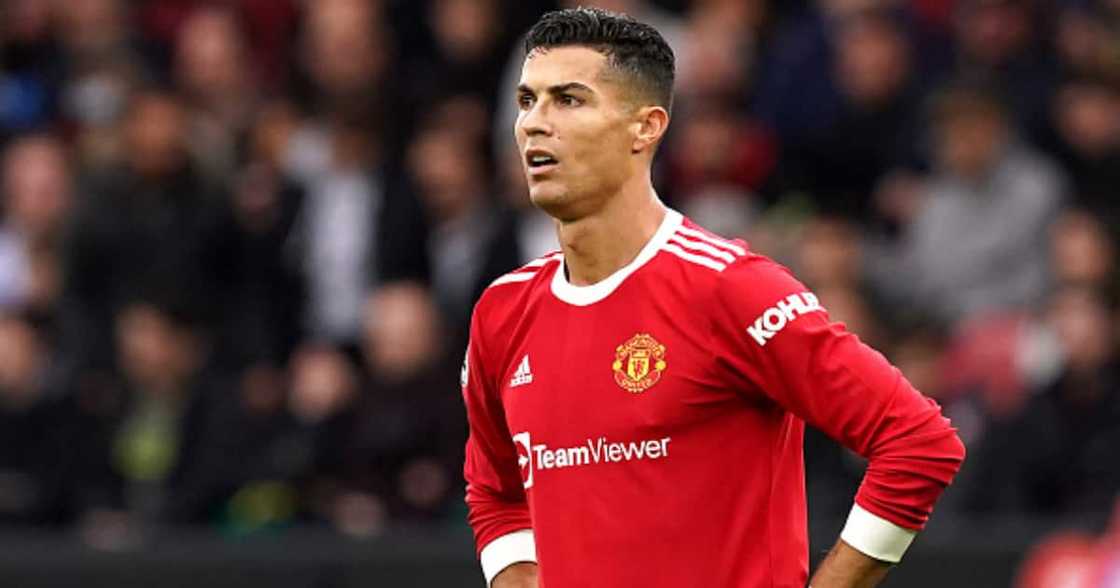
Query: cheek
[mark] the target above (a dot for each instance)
(604, 150)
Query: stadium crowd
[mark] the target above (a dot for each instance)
(240, 240)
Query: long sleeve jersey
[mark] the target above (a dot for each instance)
(647, 430)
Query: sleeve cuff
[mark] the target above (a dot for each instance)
(511, 548)
(875, 536)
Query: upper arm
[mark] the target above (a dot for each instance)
(491, 457)
(773, 338)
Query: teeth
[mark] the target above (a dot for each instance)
(540, 159)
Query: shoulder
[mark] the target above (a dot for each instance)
(729, 263)
(507, 297)
(702, 248)
(757, 283)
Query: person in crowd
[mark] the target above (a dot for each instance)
(385, 439)
(977, 242)
(34, 435)
(144, 456)
(1055, 455)
(472, 240)
(1086, 117)
(37, 199)
(151, 220)
(1083, 252)
(216, 77)
(876, 125)
(1001, 41)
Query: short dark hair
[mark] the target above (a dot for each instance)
(631, 47)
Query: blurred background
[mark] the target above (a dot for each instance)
(240, 241)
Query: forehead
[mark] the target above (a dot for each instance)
(562, 65)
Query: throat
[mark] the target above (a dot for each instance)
(597, 247)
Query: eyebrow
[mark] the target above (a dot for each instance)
(557, 89)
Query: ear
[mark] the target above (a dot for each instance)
(650, 125)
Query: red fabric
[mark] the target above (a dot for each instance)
(725, 504)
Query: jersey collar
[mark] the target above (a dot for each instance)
(587, 295)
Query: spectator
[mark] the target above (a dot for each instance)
(386, 439)
(345, 53)
(798, 92)
(1087, 118)
(875, 127)
(469, 50)
(472, 241)
(718, 154)
(1082, 39)
(104, 65)
(215, 76)
(266, 278)
(977, 244)
(1055, 455)
(268, 26)
(1082, 252)
(410, 364)
(144, 457)
(37, 202)
(999, 41)
(93, 31)
(355, 227)
(830, 254)
(147, 223)
(33, 465)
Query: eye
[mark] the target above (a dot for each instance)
(569, 100)
(524, 100)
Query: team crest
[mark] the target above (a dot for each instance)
(638, 363)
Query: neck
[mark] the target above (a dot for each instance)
(601, 243)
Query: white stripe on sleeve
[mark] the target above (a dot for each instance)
(511, 548)
(875, 536)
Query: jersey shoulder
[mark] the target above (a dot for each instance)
(507, 297)
(727, 268)
(701, 253)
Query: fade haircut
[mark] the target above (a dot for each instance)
(633, 49)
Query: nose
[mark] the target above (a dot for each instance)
(533, 122)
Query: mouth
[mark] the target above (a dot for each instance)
(539, 161)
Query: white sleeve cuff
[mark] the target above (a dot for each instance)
(875, 536)
(511, 548)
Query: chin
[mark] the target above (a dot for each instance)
(546, 197)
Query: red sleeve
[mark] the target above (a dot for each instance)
(495, 494)
(772, 338)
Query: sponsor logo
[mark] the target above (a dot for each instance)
(523, 375)
(774, 319)
(531, 458)
(638, 363)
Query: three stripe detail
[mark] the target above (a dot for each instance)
(702, 249)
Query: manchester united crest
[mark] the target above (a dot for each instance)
(638, 363)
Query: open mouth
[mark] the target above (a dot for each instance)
(539, 161)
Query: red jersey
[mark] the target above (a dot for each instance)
(647, 430)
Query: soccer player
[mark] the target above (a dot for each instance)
(637, 400)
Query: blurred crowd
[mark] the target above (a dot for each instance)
(241, 239)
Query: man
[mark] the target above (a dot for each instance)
(637, 401)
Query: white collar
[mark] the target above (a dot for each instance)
(587, 295)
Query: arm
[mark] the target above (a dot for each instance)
(518, 575)
(498, 511)
(796, 358)
(847, 567)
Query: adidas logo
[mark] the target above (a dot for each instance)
(523, 375)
